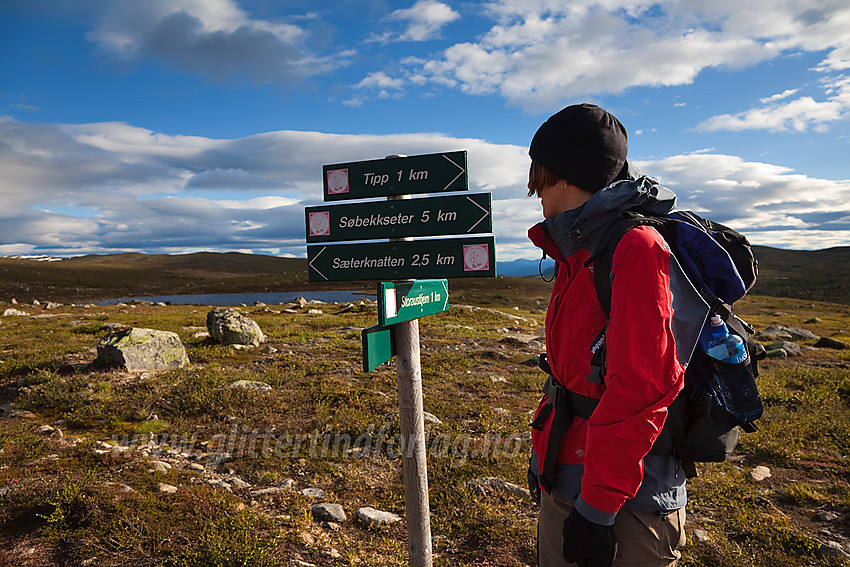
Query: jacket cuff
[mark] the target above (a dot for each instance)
(595, 515)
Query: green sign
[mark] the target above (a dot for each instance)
(428, 173)
(378, 346)
(451, 214)
(404, 301)
(418, 259)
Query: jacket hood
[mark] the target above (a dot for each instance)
(584, 227)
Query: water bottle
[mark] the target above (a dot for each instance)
(725, 346)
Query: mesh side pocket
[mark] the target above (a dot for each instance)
(734, 389)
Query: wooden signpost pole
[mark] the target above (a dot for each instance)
(414, 264)
(411, 415)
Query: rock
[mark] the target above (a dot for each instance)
(760, 473)
(6, 410)
(777, 353)
(51, 305)
(701, 537)
(315, 312)
(12, 312)
(812, 321)
(431, 418)
(239, 484)
(273, 491)
(328, 512)
(832, 550)
(316, 493)
(331, 553)
(373, 517)
(251, 385)
(788, 333)
(498, 379)
(791, 349)
(490, 484)
(826, 517)
(826, 342)
(44, 429)
(167, 488)
(159, 467)
(230, 327)
(285, 484)
(143, 349)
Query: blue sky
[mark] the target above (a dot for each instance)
(171, 126)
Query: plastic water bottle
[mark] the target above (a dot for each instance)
(725, 346)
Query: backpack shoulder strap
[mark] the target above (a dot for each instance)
(603, 259)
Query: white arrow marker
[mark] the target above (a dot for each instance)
(486, 214)
(462, 171)
(314, 259)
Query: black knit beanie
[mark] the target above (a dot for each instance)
(583, 144)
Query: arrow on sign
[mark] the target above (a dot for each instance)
(316, 257)
(462, 171)
(486, 214)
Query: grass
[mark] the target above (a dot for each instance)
(70, 500)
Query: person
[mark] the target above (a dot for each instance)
(610, 491)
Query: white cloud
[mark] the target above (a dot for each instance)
(779, 96)
(424, 21)
(212, 38)
(544, 52)
(799, 115)
(113, 187)
(759, 199)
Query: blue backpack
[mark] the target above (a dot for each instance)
(718, 398)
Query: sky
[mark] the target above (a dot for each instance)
(178, 126)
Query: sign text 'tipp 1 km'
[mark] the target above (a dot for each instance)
(427, 173)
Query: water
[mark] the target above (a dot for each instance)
(231, 299)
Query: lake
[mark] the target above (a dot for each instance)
(231, 299)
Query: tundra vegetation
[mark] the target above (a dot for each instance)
(179, 467)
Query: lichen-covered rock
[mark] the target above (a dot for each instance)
(230, 327)
(142, 349)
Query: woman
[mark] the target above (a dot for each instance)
(605, 499)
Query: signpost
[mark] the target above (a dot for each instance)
(405, 301)
(454, 214)
(427, 173)
(444, 258)
(401, 303)
(378, 346)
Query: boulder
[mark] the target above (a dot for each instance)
(328, 512)
(488, 485)
(826, 342)
(230, 327)
(142, 349)
(372, 517)
(787, 333)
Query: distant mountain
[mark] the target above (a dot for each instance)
(521, 268)
(805, 274)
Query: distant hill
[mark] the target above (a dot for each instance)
(804, 274)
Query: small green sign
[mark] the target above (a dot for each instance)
(427, 173)
(404, 301)
(432, 216)
(378, 346)
(417, 259)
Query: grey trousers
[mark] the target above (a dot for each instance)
(645, 539)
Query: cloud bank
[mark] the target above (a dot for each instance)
(114, 187)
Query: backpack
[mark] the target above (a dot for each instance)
(717, 398)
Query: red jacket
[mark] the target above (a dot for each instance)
(643, 374)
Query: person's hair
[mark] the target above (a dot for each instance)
(539, 177)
